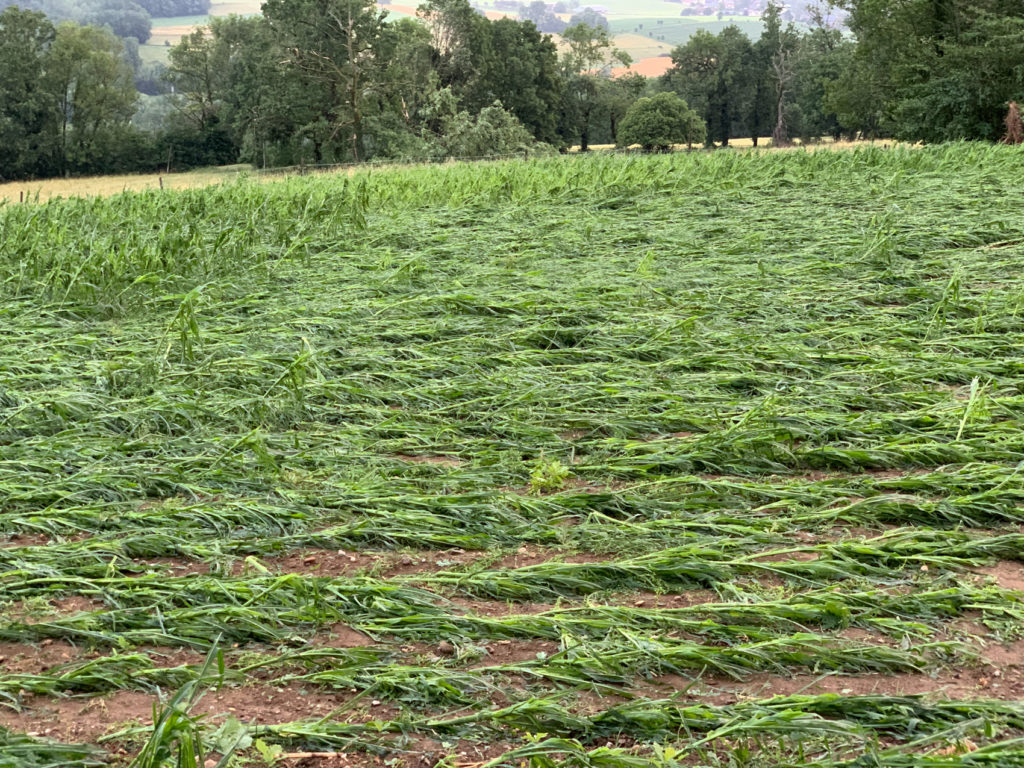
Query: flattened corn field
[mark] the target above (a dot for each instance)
(687, 460)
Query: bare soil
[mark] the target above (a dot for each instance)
(1008, 574)
(8, 541)
(978, 682)
(22, 658)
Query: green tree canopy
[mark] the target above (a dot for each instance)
(586, 69)
(659, 122)
(933, 70)
(332, 48)
(712, 73)
(94, 94)
(27, 111)
(523, 75)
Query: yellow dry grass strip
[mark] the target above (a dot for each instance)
(104, 186)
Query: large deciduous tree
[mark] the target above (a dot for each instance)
(778, 50)
(934, 70)
(711, 73)
(825, 53)
(505, 60)
(94, 95)
(586, 68)
(198, 70)
(461, 43)
(331, 45)
(27, 112)
(523, 75)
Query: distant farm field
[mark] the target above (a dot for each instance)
(673, 31)
(703, 459)
(169, 30)
(640, 47)
(645, 31)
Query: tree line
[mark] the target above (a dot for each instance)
(322, 81)
(915, 70)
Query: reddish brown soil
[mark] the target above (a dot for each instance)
(967, 683)
(76, 604)
(532, 555)
(1007, 574)
(853, 532)
(341, 636)
(70, 606)
(1006, 658)
(21, 658)
(173, 657)
(787, 557)
(86, 721)
(406, 753)
(426, 753)
(515, 651)
(23, 540)
(78, 720)
(858, 635)
(339, 564)
(498, 608)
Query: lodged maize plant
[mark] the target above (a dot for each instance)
(617, 461)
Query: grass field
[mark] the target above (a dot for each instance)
(170, 30)
(619, 461)
(676, 31)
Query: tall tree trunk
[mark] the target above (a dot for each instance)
(1014, 126)
(783, 76)
(726, 126)
(353, 88)
(779, 134)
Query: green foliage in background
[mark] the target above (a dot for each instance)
(659, 122)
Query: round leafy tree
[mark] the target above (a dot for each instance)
(659, 122)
